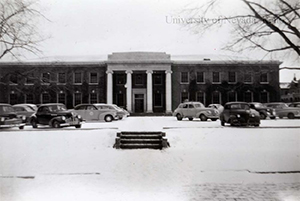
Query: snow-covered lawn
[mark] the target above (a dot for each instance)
(81, 164)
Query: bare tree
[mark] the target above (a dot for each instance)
(271, 26)
(18, 27)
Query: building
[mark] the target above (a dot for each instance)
(141, 82)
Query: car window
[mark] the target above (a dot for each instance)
(199, 105)
(258, 105)
(43, 109)
(191, 106)
(6, 108)
(184, 106)
(19, 109)
(91, 107)
(81, 107)
(55, 108)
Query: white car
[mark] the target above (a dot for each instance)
(97, 111)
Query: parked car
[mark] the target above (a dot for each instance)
(25, 109)
(264, 111)
(55, 115)
(239, 114)
(97, 111)
(283, 110)
(193, 110)
(120, 111)
(219, 107)
(9, 118)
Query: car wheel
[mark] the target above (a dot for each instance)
(55, 124)
(272, 117)
(222, 123)
(34, 123)
(108, 118)
(214, 119)
(262, 116)
(203, 117)
(179, 117)
(291, 116)
(190, 118)
(280, 117)
(21, 127)
(78, 126)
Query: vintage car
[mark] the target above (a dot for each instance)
(193, 110)
(264, 111)
(55, 115)
(283, 110)
(97, 111)
(25, 109)
(239, 114)
(219, 107)
(9, 118)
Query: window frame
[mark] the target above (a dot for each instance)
(181, 76)
(219, 77)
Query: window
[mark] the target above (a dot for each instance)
(77, 98)
(45, 97)
(264, 97)
(45, 78)
(158, 99)
(248, 96)
(216, 77)
(231, 77)
(184, 77)
(93, 98)
(61, 78)
(13, 98)
(248, 78)
(231, 96)
(29, 79)
(264, 78)
(200, 77)
(93, 78)
(77, 78)
(200, 97)
(157, 79)
(13, 79)
(184, 96)
(216, 97)
(29, 98)
(61, 98)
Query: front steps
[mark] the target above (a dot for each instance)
(141, 140)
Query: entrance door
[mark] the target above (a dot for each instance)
(139, 103)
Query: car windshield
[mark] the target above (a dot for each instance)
(55, 108)
(240, 106)
(199, 105)
(6, 108)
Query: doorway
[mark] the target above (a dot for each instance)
(139, 103)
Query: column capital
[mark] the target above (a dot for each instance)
(168, 71)
(128, 72)
(149, 71)
(109, 72)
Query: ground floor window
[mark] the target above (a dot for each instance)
(45, 97)
(61, 98)
(216, 97)
(77, 98)
(184, 96)
(248, 96)
(231, 96)
(200, 97)
(93, 98)
(29, 98)
(13, 98)
(264, 97)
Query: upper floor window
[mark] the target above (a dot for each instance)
(62, 78)
(264, 78)
(93, 78)
(77, 78)
(200, 77)
(184, 77)
(216, 77)
(13, 79)
(232, 77)
(46, 78)
(248, 78)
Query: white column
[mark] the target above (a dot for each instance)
(168, 92)
(109, 91)
(149, 91)
(129, 91)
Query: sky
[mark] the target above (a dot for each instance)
(83, 29)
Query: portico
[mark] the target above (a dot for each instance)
(140, 81)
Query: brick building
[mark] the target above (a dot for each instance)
(139, 81)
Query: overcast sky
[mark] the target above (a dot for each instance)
(80, 28)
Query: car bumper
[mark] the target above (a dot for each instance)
(12, 125)
(72, 122)
(212, 116)
(246, 122)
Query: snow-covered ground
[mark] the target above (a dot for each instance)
(81, 164)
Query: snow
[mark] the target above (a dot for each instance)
(81, 164)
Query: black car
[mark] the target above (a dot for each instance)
(55, 115)
(9, 118)
(239, 114)
(264, 112)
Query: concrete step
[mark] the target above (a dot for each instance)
(138, 141)
(140, 146)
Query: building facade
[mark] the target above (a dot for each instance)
(141, 82)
